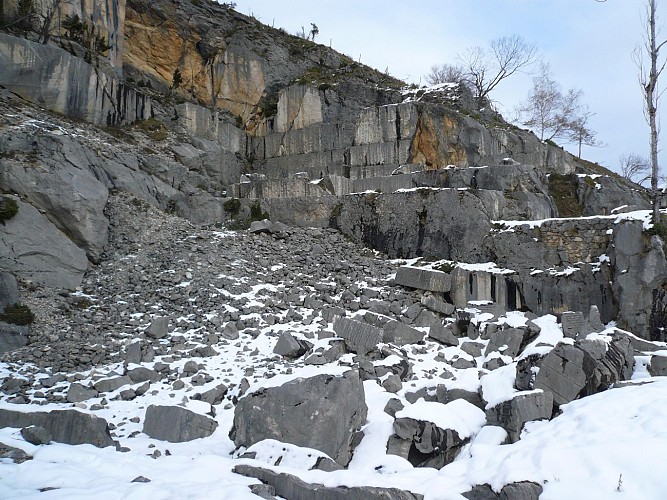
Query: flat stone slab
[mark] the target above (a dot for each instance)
(359, 337)
(423, 279)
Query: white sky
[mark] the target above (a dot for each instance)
(588, 45)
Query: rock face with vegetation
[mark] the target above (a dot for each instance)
(138, 142)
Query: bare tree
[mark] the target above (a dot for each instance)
(547, 110)
(445, 73)
(650, 68)
(635, 168)
(486, 68)
(580, 133)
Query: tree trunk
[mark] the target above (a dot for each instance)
(651, 94)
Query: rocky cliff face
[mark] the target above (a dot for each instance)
(224, 118)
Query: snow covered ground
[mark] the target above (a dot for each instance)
(608, 445)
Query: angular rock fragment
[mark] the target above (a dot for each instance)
(587, 367)
(212, 396)
(176, 424)
(78, 393)
(158, 329)
(431, 434)
(289, 346)
(359, 337)
(64, 426)
(401, 334)
(444, 335)
(437, 305)
(511, 415)
(322, 412)
(507, 342)
(657, 365)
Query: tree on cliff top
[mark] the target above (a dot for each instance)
(486, 68)
(554, 114)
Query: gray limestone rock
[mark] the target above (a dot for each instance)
(77, 393)
(32, 247)
(112, 384)
(641, 270)
(72, 197)
(444, 335)
(36, 435)
(133, 353)
(393, 405)
(423, 279)
(573, 324)
(437, 305)
(359, 337)
(587, 367)
(290, 347)
(507, 342)
(657, 365)
(9, 291)
(143, 374)
(213, 396)
(176, 424)
(401, 334)
(322, 412)
(158, 329)
(16, 455)
(12, 337)
(428, 445)
(428, 319)
(65, 426)
(268, 226)
(521, 490)
(68, 84)
(392, 383)
(444, 396)
(513, 414)
(289, 486)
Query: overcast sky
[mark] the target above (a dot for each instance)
(588, 45)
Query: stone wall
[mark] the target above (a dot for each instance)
(574, 240)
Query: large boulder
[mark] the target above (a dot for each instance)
(430, 434)
(64, 426)
(176, 424)
(322, 412)
(511, 415)
(586, 367)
